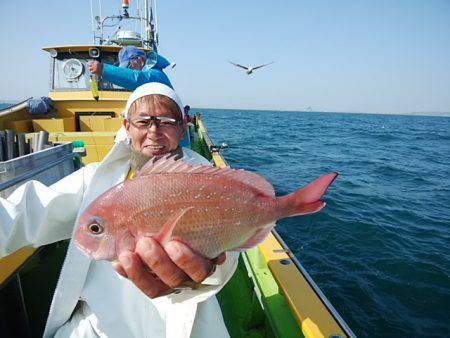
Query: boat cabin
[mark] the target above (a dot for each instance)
(68, 68)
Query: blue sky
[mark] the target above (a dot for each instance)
(351, 56)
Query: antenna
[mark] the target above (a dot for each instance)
(92, 23)
(156, 27)
(101, 16)
(147, 24)
(126, 37)
(138, 11)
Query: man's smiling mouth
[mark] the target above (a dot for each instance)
(154, 147)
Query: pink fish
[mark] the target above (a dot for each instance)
(211, 209)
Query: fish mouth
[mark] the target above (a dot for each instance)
(83, 248)
(92, 254)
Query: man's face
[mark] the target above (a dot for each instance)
(156, 139)
(136, 63)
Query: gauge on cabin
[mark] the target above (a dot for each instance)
(72, 69)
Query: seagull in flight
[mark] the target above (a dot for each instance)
(250, 70)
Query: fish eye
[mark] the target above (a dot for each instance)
(95, 228)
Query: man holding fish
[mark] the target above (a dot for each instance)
(162, 215)
(91, 299)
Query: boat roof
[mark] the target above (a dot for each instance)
(82, 48)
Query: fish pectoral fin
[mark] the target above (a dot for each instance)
(126, 242)
(257, 238)
(165, 234)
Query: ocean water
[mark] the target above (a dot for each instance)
(4, 105)
(380, 250)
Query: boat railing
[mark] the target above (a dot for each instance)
(47, 166)
(27, 267)
(312, 310)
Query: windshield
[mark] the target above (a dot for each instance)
(70, 72)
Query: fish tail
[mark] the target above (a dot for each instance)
(307, 200)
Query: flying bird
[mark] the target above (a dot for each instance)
(250, 70)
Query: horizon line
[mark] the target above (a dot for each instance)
(424, 113)
(418, 113)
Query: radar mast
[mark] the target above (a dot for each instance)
(109, 30)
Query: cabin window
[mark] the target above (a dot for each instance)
(70, 72)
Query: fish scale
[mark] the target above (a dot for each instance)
(202, 223)
(213, 210)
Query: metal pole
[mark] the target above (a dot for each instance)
(147, 25)
(2, 142)
(92, 22)
(43, 139)
(29, 147)
(35, 142)
(21, 144)
(101, 20)
(139, 14)
(10, 144)
(156, 26)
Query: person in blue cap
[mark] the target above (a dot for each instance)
(133, 70)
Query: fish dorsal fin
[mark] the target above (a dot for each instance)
(168, 163)
(174, 164)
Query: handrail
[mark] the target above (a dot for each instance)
(9, 265)
(14, 108)
(35, 171)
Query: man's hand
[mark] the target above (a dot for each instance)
(157, 270)
(95, 67)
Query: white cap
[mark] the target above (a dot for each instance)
(153, 88)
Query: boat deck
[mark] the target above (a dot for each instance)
(270, 295)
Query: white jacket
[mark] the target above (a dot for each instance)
(38, 215)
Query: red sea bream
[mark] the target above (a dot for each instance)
(211, 209)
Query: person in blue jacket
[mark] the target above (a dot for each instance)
(133, 70)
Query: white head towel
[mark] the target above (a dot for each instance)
(153, 88)
(148, 89)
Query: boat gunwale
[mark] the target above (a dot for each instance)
(302, 273)
(314, 286)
